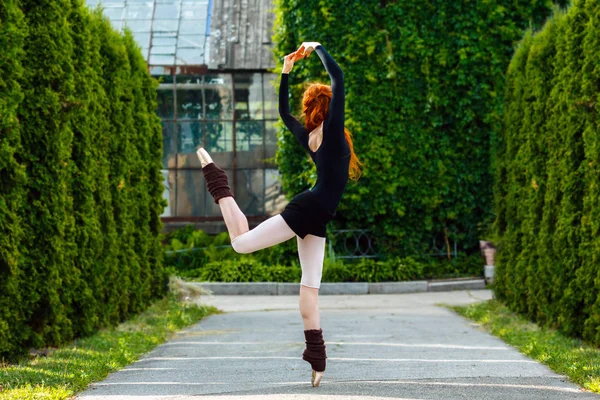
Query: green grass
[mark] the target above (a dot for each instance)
(68, 370)
(564, 355)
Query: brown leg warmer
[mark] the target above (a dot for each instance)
(315, 349)
(216, 182)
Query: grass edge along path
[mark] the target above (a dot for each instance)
(562, 354)
(70, 369)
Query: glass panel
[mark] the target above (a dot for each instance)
(91, 3)
(167, 11)
(112, 3)
(142, 38)
(161, 74)
(164, 41)
(144, 51)
(163, 50)
(193, 26)
(162, 59)
(249, 135)
(191, 41)
(248, 96)
(165, 25)
(191, 193)
(275, 200)
(139, 11)
(166, 101)
(116, 24)
(168, 192)
(139, 25)
(249, 191)
(169, 144)
(190, 56)
(114, 13)
(249, 144)
(219, 137)
(271, 96)
(218, 96)
(194, 10)
(189, 97)
(191, 136)
(271, 128)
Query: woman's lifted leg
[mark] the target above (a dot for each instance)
(243, 240)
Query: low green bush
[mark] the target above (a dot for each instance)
(195, 255)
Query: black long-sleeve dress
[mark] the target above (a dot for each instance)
(309, 211)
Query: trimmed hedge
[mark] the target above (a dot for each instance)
(197, 255)
(547, 190)
(424, 81)
(80, 160)
(249, 269)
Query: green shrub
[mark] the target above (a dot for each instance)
(218, 262)
(206, 248)
(249, 269)
(80, 160)
(423, 80)
(14, 302)
(547, 169)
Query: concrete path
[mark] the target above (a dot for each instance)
(378, 346)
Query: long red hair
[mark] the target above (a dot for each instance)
(315, 105)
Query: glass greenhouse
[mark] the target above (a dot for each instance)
(215, 91)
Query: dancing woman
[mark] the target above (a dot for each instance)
(330, 147)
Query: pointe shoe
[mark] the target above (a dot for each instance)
(316, 378)
(204, 157)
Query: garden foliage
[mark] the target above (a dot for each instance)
(547, 190)
(80, 159)
(423, 80)
(196, 255)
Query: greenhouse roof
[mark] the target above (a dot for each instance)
(170, 32)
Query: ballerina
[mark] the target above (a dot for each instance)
(330, 146)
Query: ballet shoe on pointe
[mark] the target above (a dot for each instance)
(204, 157)
(316, 378)
(315, 354)
(216, 178)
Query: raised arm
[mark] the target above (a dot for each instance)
(290, 122)
(336, 106)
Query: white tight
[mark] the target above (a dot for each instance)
(311, 249)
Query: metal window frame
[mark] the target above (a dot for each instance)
(202, 71)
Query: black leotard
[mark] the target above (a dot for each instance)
(332, 158)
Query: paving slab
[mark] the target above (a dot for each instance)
(401, 346)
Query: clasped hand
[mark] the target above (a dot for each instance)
(303, 51)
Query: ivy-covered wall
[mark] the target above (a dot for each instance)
(81, 189)
(424, 82)
(547, 190)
